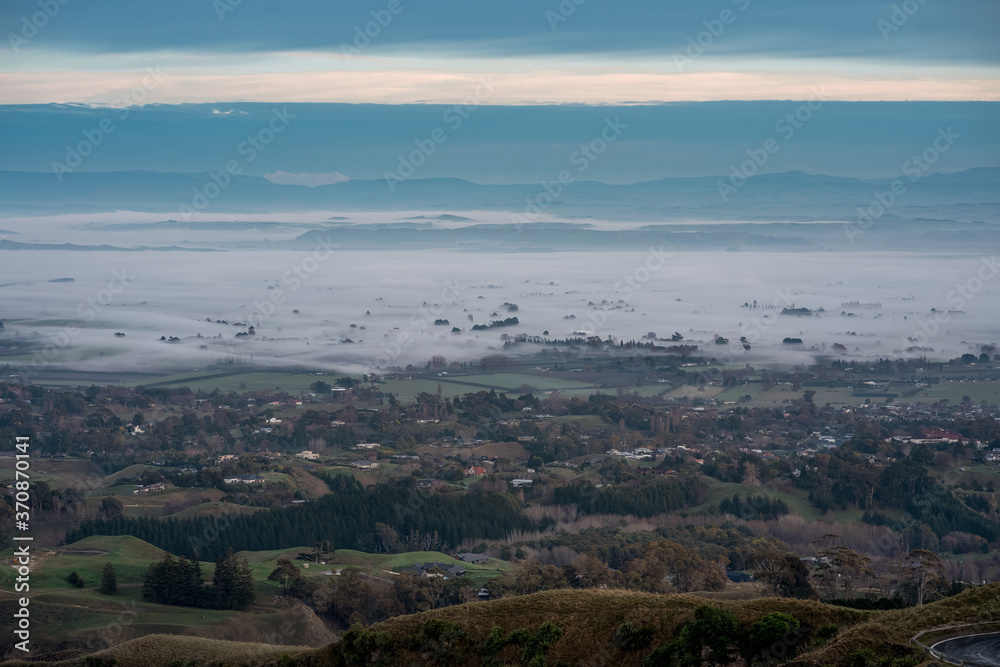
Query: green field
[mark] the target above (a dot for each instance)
(457, 385)
(242, 380)
(718, 490)
(67, 612)
(954, 391)
(736, 393)
(130, 556)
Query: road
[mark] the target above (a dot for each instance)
(974, 649)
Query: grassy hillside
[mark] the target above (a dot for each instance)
(588, 620)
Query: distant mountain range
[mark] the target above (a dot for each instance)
(791, 196)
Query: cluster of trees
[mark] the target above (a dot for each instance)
(716, 634)
(753, 507)
(360, 597)
(178, 581)
(641, 499)
(659, 566)
(506, 322)
(347, 516)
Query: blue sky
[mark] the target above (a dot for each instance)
(698, 82)
(506, 144)
(568, 51)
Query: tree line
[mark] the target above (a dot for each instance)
(347, 516)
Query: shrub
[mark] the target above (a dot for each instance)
(774, 636)
(629, 637)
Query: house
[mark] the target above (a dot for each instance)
(520, 483)
(367, 445)
(435, 569)
(226, 457)
(475, 559)
(365, 465)
(245, 479)
(149, 488)
(307, 455)
(739, 577)
(475, 471)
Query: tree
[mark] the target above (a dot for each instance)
(233, 583)
(771, 630)
(841, 567)
(922, 569)
(787, 575)
(712, 628)
(109, 580)
(289, 576)
(111, 507)
(921, 453)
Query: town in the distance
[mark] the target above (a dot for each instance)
(398, 517)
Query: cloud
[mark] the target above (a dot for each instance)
(307, 179)
(952, 30)
(530, 87)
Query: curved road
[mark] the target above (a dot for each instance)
(974, 649)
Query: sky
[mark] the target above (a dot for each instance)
(537, 51)
(502, 144)
(697, 84)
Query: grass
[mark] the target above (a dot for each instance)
(479, 574)
(797, 501)
(582, 421)
(458, 385)
(753, 390)
(240, 380)
(263, 562)
(691, 391)
(50, 567)
(588, 619)
(954, 391)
